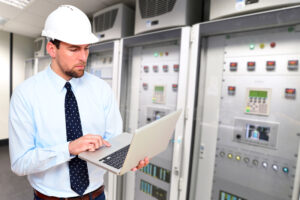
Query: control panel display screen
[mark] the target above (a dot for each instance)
(228, 196)
(257, 132)
(155, 115)
(159, 94)
(159, 89)
(259, 94)
(258, 101)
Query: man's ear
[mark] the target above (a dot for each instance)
(51, 49)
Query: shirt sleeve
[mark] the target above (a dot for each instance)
(26, 158)
(114, 123)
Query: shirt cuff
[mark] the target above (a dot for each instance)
(63, 152)
(70, 155)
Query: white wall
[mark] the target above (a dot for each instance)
(22, 50)
(4, 83)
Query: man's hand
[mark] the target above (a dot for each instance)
(142, 163)
(87, 142)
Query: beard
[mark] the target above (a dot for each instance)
(75, 73)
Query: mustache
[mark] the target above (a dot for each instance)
(80, 64)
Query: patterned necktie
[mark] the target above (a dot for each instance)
(79, 177)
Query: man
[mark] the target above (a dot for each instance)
(61, 112)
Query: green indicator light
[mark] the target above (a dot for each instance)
(247, 110)
(251, 46)
(155, 54)
(285, 170)
(291, 29)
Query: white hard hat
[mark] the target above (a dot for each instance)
(69, 24)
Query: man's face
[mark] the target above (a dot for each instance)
(71, 59)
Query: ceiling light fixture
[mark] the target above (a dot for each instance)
(17, 3)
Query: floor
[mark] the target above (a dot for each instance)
(12, 187)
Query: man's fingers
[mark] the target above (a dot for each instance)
(141, 164)
(88, 142)
(100, 143)
(106, 143)
(91, 147)
(97, 140)
(146, 161)
(134, 169)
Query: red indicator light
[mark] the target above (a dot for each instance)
(233, 64)
(231, 88)
(273, 44)
(290, 91)
(166, 53)
(251, 64)
(146, 69)
(176, 68)
(165, 66)
(174, 85)
(155, 68)
(270, 63)
(293, 62)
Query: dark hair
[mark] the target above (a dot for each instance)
(55, 42)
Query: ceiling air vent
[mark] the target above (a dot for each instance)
(105, 21)
(153, 8)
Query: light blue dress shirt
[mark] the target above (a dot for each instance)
(37, 128)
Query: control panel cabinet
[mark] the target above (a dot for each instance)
(101, 65)
(257, 136)
(253, 81)
(153, 85)
(220, 8)
(103, 62)
(157, 98)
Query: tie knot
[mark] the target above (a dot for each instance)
(68, 86)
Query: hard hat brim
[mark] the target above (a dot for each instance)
(88, 39)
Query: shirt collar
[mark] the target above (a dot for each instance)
(59, 82)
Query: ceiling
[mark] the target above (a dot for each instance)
(30, 21)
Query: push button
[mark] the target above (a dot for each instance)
(264, 164)
(285, 170)
(255, 162)
(275, 167)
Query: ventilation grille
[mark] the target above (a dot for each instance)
(105, 21)
(152, 8)
(38, 45)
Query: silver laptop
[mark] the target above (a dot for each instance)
(128, 149)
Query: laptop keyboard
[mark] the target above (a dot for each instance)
(117, 158)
